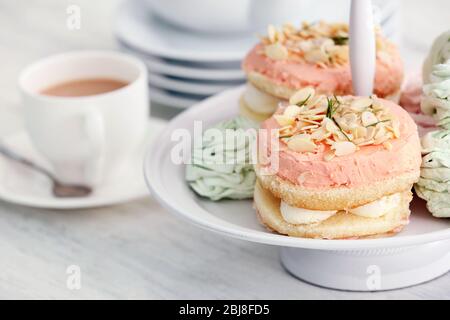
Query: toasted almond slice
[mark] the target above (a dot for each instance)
(327, 44)
(368, 118)
(301, 124)
(272, 33)
(359, 132)
(396, 127)
(390, 130)
(380, 114)
(350, 118)
(302, 95)
(388, 145)
(317, 118)
(381, 132)
(385, 118)
(292, 111)
(317, 110)
(286, 131)
(309, 128)
(344, 148)
(370, 133)
(349, 136)
(276, 51)
(305, 45)
(359, 141)
(288, 28)
(309, 121)
(317, 101)
(343, 125)
(339, 136)
(304, 109)
(381, 140)
(280, 36)
(320, 134)
(366, 143)
(330, 126)
(339, 52)
(378, 106)
(316, 56)
(301, 143)
(361, 104)
(329, 155)
(314, 117)
(284, 120)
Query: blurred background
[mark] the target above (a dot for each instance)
(175, 42)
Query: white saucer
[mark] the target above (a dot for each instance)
(187, 86)
(191, 72)
(23, 186)
(172, 99)
(425, 234)
(138, 27)
(187, 71)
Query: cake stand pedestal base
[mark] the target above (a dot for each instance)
(368, 269)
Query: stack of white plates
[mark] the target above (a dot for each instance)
(186, 66)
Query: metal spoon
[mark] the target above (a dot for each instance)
(60, 190)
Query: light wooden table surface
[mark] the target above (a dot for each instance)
(139, 250)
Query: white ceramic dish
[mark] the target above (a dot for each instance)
(156, 65)
(186, 70)
(136, 26)
(186, 85)
(23, 186)
(237, 219)
(245, 15)
(171, 99)
(228, 16)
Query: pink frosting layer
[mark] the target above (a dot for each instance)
(368, 165)
(332, 80)
(410, 99)
(412, 94)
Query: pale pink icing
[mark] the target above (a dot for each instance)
(412, 94)
(368, 165)
(331, 80)
(410, 100)
(425, 123)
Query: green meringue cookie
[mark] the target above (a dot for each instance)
(438, 203)
(436, 140)
(434, 183)
(220, 169)
(439, 53)
(436, 100)
(437, 174)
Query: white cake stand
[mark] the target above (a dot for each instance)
(369, 269)
(418, 254)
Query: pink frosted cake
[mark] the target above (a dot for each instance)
(317, 56)
(345, 167)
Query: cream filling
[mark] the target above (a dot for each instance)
(374, 209)
(260, 102)
(378, 208)
(295, 215)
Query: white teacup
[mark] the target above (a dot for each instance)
(87, 139)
